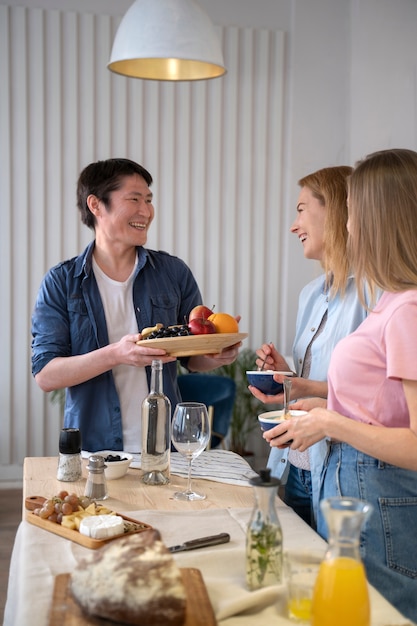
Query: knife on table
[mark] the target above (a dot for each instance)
(202, 542)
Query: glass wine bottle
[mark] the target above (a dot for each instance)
(156, 431)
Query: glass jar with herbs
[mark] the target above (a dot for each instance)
(264, 535)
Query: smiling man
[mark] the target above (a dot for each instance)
(90, 309)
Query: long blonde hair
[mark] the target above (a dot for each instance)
(329, 186)
(383, 221)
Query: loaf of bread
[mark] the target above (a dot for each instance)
(132, 580)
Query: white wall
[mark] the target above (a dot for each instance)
(350, 77)
(383, 76)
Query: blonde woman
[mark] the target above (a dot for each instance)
(329, 309)
(371, 414)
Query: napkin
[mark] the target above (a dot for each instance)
(222, 466)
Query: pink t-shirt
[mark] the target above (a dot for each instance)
(367, 367)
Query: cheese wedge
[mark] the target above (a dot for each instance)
(102, 526)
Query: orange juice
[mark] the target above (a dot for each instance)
(300, 609)
(341, 594)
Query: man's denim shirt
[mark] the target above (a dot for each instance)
(68, 319)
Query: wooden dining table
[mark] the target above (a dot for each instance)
(40, 557)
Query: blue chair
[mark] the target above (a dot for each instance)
(218, 394)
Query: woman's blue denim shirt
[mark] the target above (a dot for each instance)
(344, 314)
(68, 319)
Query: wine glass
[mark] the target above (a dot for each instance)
(190, 435)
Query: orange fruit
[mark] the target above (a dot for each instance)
(224, 323)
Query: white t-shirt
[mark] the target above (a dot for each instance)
(131, 382)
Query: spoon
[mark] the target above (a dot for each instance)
(287, 393)
(261, 368)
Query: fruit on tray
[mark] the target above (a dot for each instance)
(224, 323)
(201, 321)
(201, 326)
(164, 332)
(150, 329)
(198, 320)
(200, 312)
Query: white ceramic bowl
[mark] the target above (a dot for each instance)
(272, 418)
(115, 469)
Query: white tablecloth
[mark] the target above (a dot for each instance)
(38, 556)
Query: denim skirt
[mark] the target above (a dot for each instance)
(388, 540)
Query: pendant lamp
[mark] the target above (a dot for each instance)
(167, 40)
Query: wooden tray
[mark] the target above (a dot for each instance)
(66, 612)
(194, 344)
(77, 537)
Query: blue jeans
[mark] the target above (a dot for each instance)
(388, 539)
(298, 494)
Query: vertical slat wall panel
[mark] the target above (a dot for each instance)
(37, 129)
(231, 212)
(6, 342)
(213, 148)
(20, 180)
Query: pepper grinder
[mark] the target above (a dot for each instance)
(96, 486)
(69, 463)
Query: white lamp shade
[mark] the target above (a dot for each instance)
(167, 40)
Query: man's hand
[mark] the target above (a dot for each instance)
(129, 353)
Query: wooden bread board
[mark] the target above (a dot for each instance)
(192, 345)
(77, 537)
(66, 612)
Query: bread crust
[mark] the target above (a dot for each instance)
(132, 580)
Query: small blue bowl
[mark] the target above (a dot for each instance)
(264, 381)
(271, 418)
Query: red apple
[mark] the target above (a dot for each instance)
(201, 326)
(200, 312)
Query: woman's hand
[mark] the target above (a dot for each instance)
(307, 404)
(270, 359)
(300, 388)
(301, 432)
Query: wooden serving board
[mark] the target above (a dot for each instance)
(66, 612)
(194, 344)
(77, 537)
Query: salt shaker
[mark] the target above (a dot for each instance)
(96, 486)
(69, 463)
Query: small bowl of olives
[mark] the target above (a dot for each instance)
(117, 463)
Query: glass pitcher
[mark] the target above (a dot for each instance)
(341, 590)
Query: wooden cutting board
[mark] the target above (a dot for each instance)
(66, 612)
(77, 537)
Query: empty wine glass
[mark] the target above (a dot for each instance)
(190, 435)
